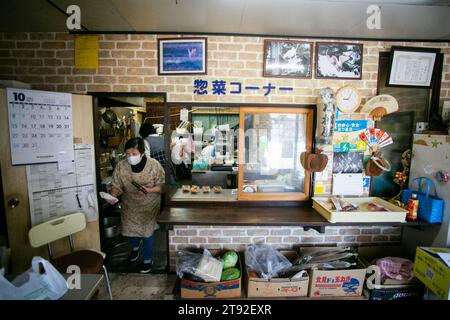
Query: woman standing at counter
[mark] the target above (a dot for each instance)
(139, 180)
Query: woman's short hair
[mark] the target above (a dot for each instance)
(146, 129)
(135, 143)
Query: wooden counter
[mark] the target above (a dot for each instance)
(261, 216)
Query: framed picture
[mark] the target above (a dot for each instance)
(182, 56)
(339, 60)
(411, 67)
(287, 59)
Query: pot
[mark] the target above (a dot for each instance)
(111, 227)
(109, 116)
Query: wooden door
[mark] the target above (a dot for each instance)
(14, 183)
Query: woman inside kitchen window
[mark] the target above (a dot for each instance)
(139, 179)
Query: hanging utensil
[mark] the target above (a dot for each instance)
(109, 116)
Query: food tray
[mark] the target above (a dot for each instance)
(362, 214)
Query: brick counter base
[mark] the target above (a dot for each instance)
(236, 238)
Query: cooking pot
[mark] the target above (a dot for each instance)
(109, 116)
(111, 227)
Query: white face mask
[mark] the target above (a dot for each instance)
(134, 160)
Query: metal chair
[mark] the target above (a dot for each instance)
(89, 261)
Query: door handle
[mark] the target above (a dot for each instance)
(13, 202)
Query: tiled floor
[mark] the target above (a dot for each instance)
(135, 286)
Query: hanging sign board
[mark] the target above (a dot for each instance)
(40, 126)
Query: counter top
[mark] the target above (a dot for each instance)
(261, 216)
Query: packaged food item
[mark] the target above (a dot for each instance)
(413, 206)
(186, 188)
(201, 266)
(194, 189)
(217, 189)
(376, 207)
(206, 189)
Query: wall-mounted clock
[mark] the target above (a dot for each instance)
(348, 99)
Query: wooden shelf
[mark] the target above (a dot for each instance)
(263, 216)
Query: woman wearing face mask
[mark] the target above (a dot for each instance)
(141, 206)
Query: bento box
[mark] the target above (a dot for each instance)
(363, 213)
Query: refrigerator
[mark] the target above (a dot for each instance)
(430, 154)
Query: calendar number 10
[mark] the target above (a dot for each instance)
(19, 96)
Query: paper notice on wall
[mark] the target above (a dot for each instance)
(348, 184)
(319, 188)
(86, 52)
(184, 115)
(57, 189)
(65, 161)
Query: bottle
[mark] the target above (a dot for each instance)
(413, 206)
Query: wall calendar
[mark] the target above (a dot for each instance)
(40, 126)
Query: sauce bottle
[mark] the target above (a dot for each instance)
(413, 206)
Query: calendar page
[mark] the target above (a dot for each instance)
(40, 126)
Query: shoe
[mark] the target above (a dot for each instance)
(146, 267)
(134, 255)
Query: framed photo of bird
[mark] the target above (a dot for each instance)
(182, 56)
(287, 59)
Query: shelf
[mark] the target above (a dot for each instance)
(305, 217)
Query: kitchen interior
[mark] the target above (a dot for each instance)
(119, 118)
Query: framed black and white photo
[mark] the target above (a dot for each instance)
(182, 56)
(287, 59)
(411, 67)
(335, 60)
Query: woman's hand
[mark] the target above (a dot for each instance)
(111, 201)
(115, 193)
(155, 189)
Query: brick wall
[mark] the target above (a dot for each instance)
(128, 63)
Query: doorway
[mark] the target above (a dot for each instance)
(117, 118)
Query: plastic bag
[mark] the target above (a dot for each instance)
(265, 260)
(395, 268)
(203, 266)
(34, 285)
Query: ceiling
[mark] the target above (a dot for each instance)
(400, 19)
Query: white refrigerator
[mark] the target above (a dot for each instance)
(430, 154)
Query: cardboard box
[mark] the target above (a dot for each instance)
(212, 290)
(335, 283)
(391, 289)
(277, 287)
(433, 271)
(409, 292)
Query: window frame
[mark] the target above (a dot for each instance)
(282, 201)
(291, 196)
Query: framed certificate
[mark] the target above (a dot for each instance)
(411, 67)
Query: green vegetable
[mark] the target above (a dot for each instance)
(230, 274)
(230, 259)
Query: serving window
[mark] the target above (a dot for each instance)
(230, 153)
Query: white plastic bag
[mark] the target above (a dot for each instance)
(32, 285)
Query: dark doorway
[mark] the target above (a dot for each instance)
(117, 118)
